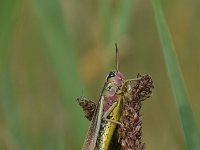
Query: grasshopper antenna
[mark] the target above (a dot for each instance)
(117, 59)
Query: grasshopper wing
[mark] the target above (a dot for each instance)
(94, 128)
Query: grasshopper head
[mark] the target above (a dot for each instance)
(115, 77)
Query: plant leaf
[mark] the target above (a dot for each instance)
(190, 130)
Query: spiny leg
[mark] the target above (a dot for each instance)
(108, 112)
(129, 80)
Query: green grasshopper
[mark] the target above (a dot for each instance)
(108, 111)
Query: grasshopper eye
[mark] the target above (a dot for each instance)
(110, 75)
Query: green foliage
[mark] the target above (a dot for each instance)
(112, 29)
(65, 64)
(187, 121)
(8, 102)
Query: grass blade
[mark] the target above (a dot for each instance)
(190, 130)
(65, 63)
(125, 12)
(8, 101)
(106, 18)
(112, 31)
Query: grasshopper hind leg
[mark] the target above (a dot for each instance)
(107, 113)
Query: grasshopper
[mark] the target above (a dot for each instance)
(108, 110)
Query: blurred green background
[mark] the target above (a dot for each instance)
(52, 52)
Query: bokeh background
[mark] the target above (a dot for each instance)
(53, 51)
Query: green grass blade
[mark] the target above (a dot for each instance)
(190, 130)
(8, 101)
(106, 18)
(65, 63)
(111, 31)
(125, 12)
